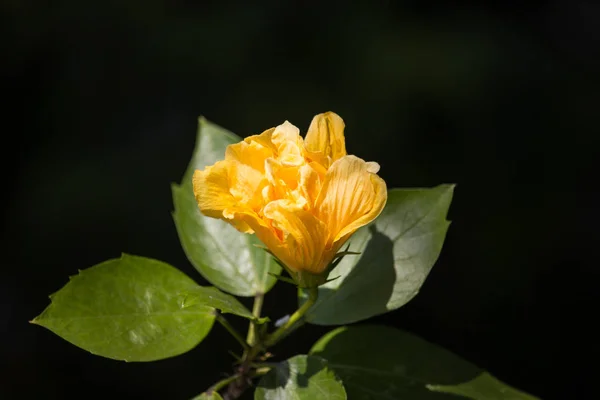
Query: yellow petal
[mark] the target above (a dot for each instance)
(252, 151)
(297, 237)
(280, 174)
(325, 138)
(351, 197)
(226, 189)
(265, 139)
(211, 189)
(310, 183)
(286, 137)
(246, 184)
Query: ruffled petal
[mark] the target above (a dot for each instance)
(310, 183)
(351, 196)
(226, 189)
(298, 238)
(246, 185)
(288, 142)
(324, 140)
(211, 189)
(253, 151)
(265, 139)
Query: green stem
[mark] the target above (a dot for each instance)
(256, 309)
(272, 339)
(248, 367)
(232, 330)
(221, 384)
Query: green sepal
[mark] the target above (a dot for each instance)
(304, 279)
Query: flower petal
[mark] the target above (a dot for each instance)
(302, 237)
(226, 189)
(351, 197)
(252, 151)
(288, 142)
(310, 183)
(325, 138)
(211, 189)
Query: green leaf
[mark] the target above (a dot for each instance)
(206, 396)
(298, 378)
(484, 387)
(128, 309)
(213, 297)
(382, 363)
(397, 252)
(224, 256)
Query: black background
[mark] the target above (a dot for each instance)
(103, 99)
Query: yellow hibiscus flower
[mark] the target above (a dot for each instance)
(303, 198)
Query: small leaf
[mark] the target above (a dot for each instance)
(206, 396)
(213, 297)
(224, 256)
(381, 363)
(300, 377)
(128, 309)
(397, 252)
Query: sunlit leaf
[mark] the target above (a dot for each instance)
(213, 297)
(300, 378)
(228, 259)
(128, 309)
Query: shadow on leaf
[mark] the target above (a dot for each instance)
(295, 372)
(368, 287)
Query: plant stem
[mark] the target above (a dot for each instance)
(256, 309)
(222, 383)
(239, 382)
(273, 338)
(232, 330)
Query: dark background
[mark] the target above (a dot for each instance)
(103, 99)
